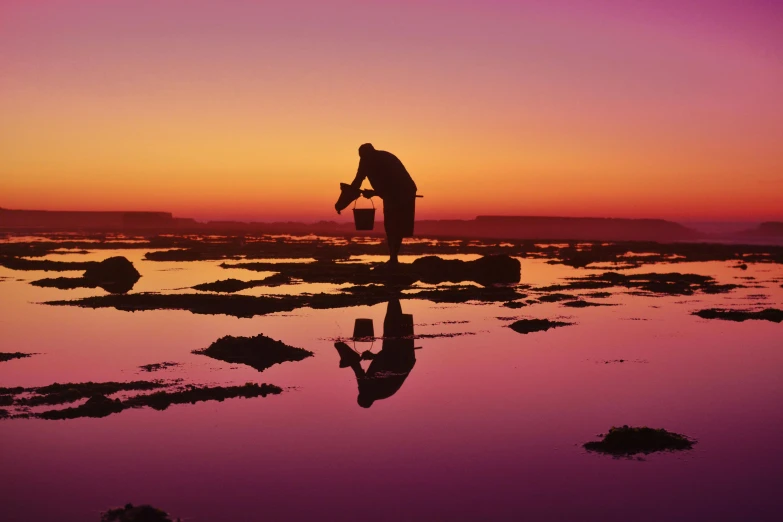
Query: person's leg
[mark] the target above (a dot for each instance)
(395, 242)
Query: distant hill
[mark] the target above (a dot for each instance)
(483, 227)
(81, 220)
(773, 229)
(561, 228)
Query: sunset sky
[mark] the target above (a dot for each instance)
(255, 109)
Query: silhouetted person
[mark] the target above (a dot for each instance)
(389, 367)
(392, 183)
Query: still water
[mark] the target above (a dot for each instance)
(487, 425)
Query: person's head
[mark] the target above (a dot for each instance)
(366, 150)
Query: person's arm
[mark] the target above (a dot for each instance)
(361, 174)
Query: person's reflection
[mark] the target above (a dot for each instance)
(389, 367)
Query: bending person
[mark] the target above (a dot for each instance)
(392, 183)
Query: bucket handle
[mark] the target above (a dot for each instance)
(357, 199)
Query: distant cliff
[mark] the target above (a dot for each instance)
(495, 227)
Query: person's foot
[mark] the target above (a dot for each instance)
(386, 265)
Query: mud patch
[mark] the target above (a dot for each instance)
(101, 406)
(131, 513)
(514, 304)
(116, 275)
(620, 361)
(57, 393)
(580, 303)
(235, 285)
(487, 270)
(645, 284)
(7, 356)
(525, 326)
(628, 441)
(556, 298)
(768, 314)
(259, 352)
(598, 295)
(154, 367)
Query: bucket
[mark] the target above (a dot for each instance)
(364, 218)
(363, 328)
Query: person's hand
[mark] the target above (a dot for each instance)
(367, 193)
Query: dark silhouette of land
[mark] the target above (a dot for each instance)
(482, 227)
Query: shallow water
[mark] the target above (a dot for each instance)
(487, 426)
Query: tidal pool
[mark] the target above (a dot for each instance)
(485, 426)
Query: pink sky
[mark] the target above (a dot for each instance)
(255, 109)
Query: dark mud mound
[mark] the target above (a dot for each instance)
(324, 271)
(579, 303)
(7, 356)
(57, 393)
(96, 406)
(464, 294)
(131, 513)
(249, 306)
(192, 394)
(490, 269)
(556, 298)
(230, 286)
(235, 305)
(259, 352)
(16, 263)
(768, 314)
(627, 441)
(116, 275)
(525, 326)
(666, 284)
(487, 270)
(154, 367)
(100, 406)
(598, 295)
(514, 304)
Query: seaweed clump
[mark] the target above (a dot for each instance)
(259, 352)
(525, 326)
(627, 441)
(768, 314)
(131, 513)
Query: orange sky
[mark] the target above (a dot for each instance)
(245, 110)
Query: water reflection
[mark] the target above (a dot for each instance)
(389, 367)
